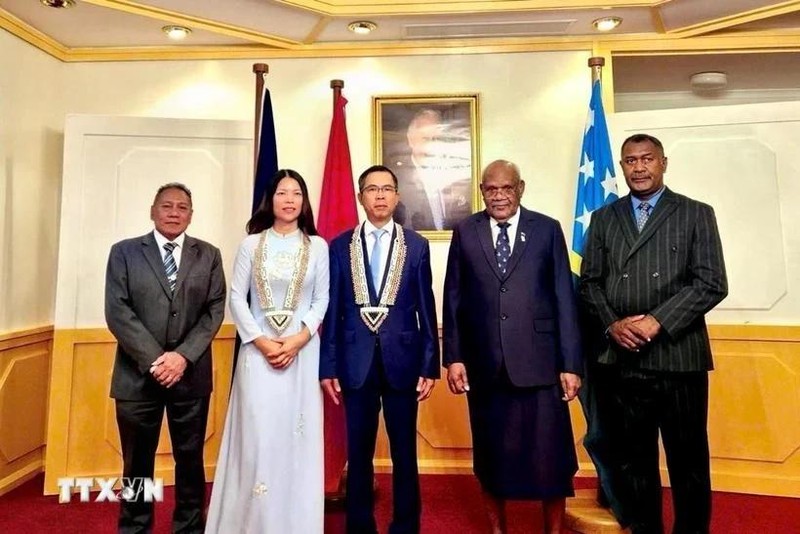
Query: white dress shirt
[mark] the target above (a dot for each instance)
(176, 252)
(386, 239)
(513, 222)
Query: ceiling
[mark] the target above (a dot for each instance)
(97, 30)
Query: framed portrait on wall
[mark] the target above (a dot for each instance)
(431, 144)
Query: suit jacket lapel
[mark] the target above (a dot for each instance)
(624, 213)
(188, 260)
(483, 227)
(666, 206)
(525, 229)
(153, 256)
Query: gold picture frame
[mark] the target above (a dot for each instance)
(431, 143)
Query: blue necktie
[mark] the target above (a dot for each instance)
(170, 266)
(503, 247)
(375, 262)
(644, 214)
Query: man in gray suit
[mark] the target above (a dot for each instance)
(652, 268)
(165, 300)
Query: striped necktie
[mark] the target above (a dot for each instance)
(170, 266)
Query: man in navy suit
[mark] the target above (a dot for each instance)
(652, 268)
(164, 302)
(380, 348)
(511, 341)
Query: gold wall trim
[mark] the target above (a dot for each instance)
(21, 476)
(318, 28)
(749, 332)
(648, 45)
(413, 7)
(20, 338)
(620, 45)
(104, 335)
(32, 36)
(737, 19)
(328, 50)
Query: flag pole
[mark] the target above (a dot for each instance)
(333, 418)
(337, 86)
(596, 169)
(260, 70)
(597, 63)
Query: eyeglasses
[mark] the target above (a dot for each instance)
(506, 191)
(385, 189)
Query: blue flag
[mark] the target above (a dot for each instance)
(267, 164)
(597, 184)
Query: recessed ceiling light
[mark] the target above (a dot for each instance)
(709, 81)
(58, 4)
(176, 33)
(362, 27)
(606, 24)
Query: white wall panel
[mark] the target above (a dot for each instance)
(743, 161)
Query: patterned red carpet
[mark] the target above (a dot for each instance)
(451, 504)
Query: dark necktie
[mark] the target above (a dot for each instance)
(170, 266)
(644, 214)
(503, 247)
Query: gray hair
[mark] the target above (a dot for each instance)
(502, 163)
(173, 185)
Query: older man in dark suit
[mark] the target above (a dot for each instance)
(511, 341)
(652, 268)
(380, 349)
(165, 300)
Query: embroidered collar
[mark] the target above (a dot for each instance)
(373, 316)
(279, 319)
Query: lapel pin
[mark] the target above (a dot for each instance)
(522, 236)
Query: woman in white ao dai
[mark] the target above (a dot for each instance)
(269, 476)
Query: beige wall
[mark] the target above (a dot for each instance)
(536, 123)
(31, 125)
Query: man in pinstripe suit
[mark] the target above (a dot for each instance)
(652, 268)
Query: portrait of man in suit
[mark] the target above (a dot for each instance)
(652, 268)
(380, 349)
(429, 149)
(164, 303)
(512, 344)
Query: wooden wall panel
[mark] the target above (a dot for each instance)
(82, 431)
(24, 376)
(754, 402)
(753, 412)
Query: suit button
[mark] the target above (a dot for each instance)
(503, 317)
(655, 274)
(174, 314)
(503, 289)
(624, 276)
